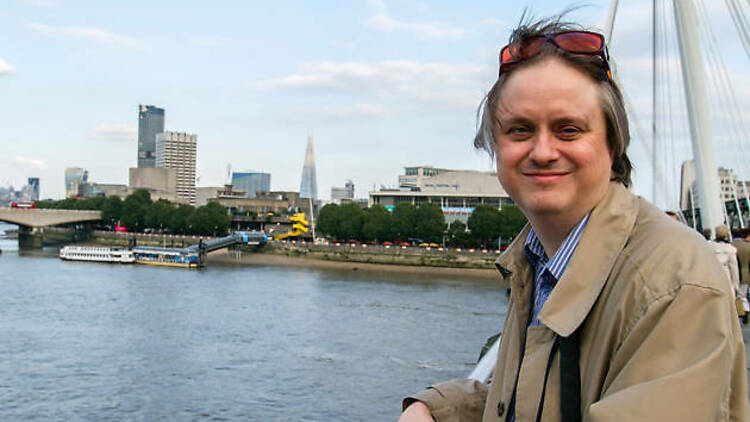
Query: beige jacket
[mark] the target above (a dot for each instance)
(660, 339)
(743, 255)
(726, 254)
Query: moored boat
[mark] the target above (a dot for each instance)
(97, 254)
(166, 257)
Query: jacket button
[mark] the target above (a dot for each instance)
(500, 409)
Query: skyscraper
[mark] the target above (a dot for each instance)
(33, 186)
(309, 186)
(176, 150)
(150, 124)
(251, 182)
(74, 176)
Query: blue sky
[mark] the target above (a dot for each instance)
(380, 84)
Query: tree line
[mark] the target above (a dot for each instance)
(423, 223)
(138, 212)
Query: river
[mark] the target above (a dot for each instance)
(93, 342)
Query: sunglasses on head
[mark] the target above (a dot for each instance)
(573, 42)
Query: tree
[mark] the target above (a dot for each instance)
(178, 223)
(430, 221)
(112, 210)
(159, 214)
(484, 223)
(210, 219)
(404, 221)
(511, 222)
(328, 220)
(457, 235)
(377, 224)
(352, 217)
(134, 209)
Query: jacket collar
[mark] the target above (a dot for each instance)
(608, 230)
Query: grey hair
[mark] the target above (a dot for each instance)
(611, 100)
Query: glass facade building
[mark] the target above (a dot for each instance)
(150, 124)
(251, 182)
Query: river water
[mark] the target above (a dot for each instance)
(94, 342)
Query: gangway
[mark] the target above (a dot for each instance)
(194, 255)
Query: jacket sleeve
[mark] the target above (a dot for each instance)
(459, 400)
(681, 360)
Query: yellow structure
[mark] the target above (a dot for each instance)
(300, 226)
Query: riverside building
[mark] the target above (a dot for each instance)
(457, 192)
(176, 150)
(251, 182)
(150, 124)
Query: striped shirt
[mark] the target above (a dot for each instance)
(548, 271)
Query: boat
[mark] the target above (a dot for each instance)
(166, 257)
(97, 254)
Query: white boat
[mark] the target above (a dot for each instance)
(97, 254)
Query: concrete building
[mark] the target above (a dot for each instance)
(74, 176)
(263, 202)
(176, 150)
(251, 182)
(150, 124)
(205, 194)
(457, 192)
(730, 187)
(114, 190)
(161, 183)
(340, 194)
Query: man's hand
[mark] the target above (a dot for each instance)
(416, 412)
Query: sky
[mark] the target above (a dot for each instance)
(379, 84)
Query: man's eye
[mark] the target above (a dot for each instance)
(518, 130)
(569, 131)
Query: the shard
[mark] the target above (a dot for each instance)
(309, 186)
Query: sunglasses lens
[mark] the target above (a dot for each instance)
(520, 51)
(580, 42)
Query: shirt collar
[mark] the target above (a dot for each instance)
(556, 266)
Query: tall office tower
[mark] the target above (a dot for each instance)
(33, 188)
(176, 150)
(74, 176)
(309, 186)
(251, 182)
(150, 124)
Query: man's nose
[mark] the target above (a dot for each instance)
(544, 149)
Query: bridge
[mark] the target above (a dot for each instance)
(32, 222)
(37, 218)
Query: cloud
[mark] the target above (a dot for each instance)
(89, 33)
(357, 110)
(383, 22)
(30, 162)
(5, 67)
(457, 85)
(453, 85)
(113, 133)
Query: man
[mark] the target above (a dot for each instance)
(636, 301)
(726, 254)
(741, 242)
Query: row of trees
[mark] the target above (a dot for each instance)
(425, 223)
(138, 212)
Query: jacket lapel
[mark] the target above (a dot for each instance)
(604, 238)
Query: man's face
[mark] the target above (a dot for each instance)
(552, 154)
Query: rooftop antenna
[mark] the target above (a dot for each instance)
(229, 174)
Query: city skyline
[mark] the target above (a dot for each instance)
(381, 85)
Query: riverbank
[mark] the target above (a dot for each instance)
(411, 260)
(239, 257)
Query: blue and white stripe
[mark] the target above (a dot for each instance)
(549, 271)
